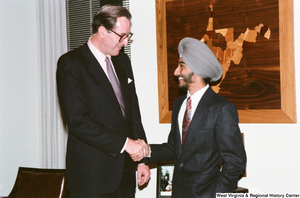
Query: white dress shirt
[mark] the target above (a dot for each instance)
(101, 58)
(196, 97)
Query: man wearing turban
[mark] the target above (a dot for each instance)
(205, 140)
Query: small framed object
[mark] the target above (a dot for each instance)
(164, 180)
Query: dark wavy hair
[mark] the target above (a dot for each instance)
(107, 17)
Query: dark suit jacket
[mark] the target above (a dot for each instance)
(97, 127)
(213, 141)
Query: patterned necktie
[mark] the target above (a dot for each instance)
(115, 84)
(186, 119)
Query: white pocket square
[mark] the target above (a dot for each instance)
(129, 80)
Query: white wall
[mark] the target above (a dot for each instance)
(19, 102)
(273, 149)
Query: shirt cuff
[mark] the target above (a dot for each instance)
(149, 155)
(124, 146)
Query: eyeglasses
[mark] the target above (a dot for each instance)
(123, 37)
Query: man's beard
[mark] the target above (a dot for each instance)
(182, 89)
(187, 81)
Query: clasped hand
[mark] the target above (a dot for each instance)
(137, 149)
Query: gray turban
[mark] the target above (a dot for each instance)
(200, 59)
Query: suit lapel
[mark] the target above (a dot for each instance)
(176, 110)
(97, 72)
(121, 74)
(199, 115)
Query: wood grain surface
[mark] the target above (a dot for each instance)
(255, 85)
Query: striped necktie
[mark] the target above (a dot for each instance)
(186, 119)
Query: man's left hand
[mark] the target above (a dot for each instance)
(143, 174)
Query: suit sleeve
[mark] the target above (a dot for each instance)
(75, 112)
(161, 153)
(231, 149)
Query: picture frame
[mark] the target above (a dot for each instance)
(165, 190)
(164, 179)
(285, 113)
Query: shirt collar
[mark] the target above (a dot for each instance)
(99, 55)
(197, 95)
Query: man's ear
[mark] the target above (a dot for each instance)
(102, 31)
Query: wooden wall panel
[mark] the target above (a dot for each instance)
(255, 85)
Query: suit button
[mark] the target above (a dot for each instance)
(181, 165)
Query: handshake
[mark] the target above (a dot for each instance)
(137, 149)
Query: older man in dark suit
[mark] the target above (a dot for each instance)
(205, 140)
(98, 100)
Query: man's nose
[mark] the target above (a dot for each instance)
(125, 41)
(177, 71)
